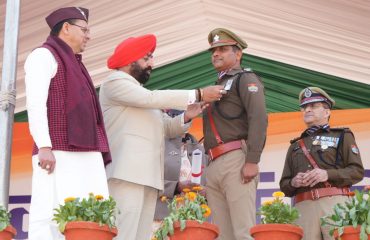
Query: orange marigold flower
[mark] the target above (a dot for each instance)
(69, 199)
(197, 188)
(191, 196)
(99, 197)
(207, 210)
(163, 198)
(351, 194)
(278, 194)
(186, 190)
(179, 199)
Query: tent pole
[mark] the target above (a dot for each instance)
(7, 95)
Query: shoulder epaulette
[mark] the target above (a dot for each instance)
(247, 70)
(295, 139)
(345, 129)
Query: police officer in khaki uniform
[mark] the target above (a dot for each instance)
(320, 165)
(234, 137)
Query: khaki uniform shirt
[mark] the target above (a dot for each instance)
(323, 147)
(251, 125)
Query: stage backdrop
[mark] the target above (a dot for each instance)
(282, 128)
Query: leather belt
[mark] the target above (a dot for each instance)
(317, 193)
(223, 148)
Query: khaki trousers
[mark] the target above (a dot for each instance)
(233, 203)
(312, 211)
(136, 204)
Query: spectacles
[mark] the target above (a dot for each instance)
(85, 30)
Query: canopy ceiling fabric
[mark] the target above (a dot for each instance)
(331, 36)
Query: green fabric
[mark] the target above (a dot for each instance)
(282, 82)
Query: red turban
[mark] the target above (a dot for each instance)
(131, 50)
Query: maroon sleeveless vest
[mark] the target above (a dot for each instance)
(57, 119)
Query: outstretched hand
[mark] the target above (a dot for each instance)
(194, 110)
(213, 93)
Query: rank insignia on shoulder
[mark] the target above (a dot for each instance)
(354, 149)
(252, 87)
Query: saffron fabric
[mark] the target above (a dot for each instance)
(131, 50)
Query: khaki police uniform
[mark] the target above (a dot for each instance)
(333, 149)
(239, 115)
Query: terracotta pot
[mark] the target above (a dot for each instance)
(195, 231)
(276, 232)
(349, 233)
(88, 230)
(8, 233)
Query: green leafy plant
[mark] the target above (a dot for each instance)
(276, 211)
(93, 209)
(4, 218)
(355, 212)
(189, 205)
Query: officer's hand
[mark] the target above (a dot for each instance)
(213, 93)
(194, 110)
(315, 176)
(297, 181)
(249, 171)
(46, 159)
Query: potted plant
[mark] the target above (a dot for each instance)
(188, 212)
(7, 231)
(351, 220)
(92, 218)
(277, 222)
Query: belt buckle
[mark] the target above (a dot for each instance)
(315, 194)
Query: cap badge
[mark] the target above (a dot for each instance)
(307, 92)
(216, 38)
(82, 12)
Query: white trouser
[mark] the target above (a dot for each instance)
(76, 174)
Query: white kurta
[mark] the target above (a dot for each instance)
(76, 174)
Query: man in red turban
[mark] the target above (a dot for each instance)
(136, 128)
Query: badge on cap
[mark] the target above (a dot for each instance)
(307, 92)
(252, 87)
(216, 38)
(354, 149)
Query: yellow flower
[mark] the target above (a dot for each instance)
(278, 194)
(208, 210)
(163, 198)
(99, 197)
(69, 199)
(191, 196)
(179, 199)
(266, 203)
(186, 190)
(197, 188)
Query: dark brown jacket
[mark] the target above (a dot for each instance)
(345, 170)
(249, 104)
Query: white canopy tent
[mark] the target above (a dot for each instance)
(331, 36)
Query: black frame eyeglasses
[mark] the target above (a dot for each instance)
(85, 30)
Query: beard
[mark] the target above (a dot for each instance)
(140, 74)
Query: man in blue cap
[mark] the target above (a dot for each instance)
(320, 165)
